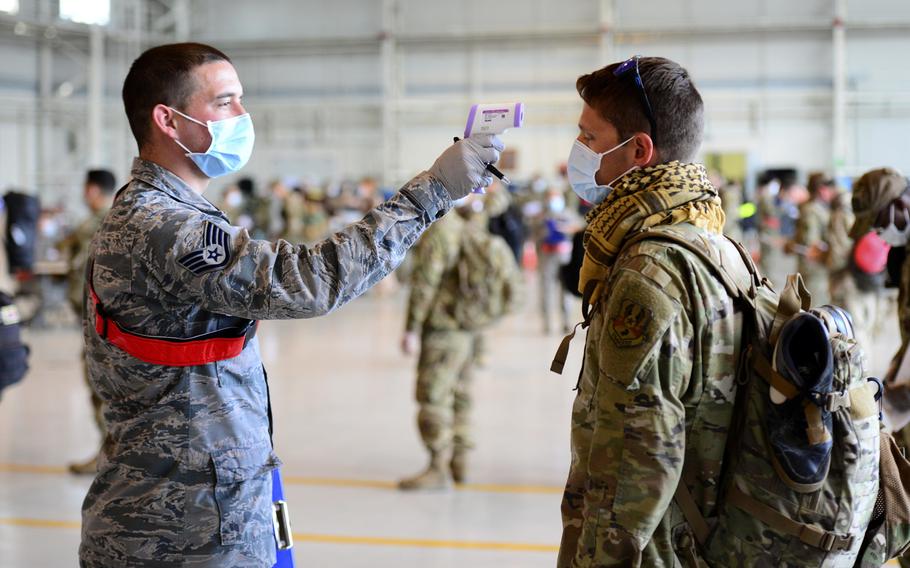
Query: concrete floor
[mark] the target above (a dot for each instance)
(345, 428)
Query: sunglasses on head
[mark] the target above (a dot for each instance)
(630, 67)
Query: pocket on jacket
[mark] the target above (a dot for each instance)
(243, 483)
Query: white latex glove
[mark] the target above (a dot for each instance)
(409, 343)
(463, 166)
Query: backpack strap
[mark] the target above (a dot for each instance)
(813, 535)
(726, 259)
(587, 312)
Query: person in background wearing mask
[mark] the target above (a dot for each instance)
(553, 233)
(810, 244)
(98, 194)
(662, 326)
(174, 295)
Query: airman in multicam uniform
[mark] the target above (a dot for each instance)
(449, 345)
(185, 472)
(661, 340)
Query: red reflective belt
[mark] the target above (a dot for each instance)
(173, 352)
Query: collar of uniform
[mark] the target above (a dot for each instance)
(168, 182)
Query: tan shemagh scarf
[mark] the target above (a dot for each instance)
(666, 194)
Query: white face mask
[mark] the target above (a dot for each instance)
(583, 165)
(894, 236)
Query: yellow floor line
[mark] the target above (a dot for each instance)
(326, 481)
(25, 468)
(426, 543)
(339, 539)
(40, 523)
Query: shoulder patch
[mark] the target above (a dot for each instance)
(629, 325)
(214, 254)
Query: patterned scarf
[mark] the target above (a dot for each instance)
(666, 194)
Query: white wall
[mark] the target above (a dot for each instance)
(313, 75)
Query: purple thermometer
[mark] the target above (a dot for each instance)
(494, 118)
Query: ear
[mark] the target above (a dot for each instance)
(164, 120)
(645, 152)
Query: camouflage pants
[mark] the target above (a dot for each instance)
(551, 289)
(443, 388)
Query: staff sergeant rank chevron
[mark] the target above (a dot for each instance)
(215, 254)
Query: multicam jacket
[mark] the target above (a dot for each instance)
(660, 351)
(185, 473)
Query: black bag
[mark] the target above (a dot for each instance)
(13, 353)
(569, 273)
(21, 229)
(511, 227)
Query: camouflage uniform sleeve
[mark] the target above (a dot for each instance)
(638, 438)
(430, 261)
(222, 269)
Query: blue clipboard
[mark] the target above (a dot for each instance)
(283, 542)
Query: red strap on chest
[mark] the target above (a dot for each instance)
(172, 351)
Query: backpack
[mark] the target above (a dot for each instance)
(13, 353)
(763, 517)
(22, 213)
(486, 273)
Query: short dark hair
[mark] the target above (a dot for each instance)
(162, 75)
(676, 104)
(104, 179)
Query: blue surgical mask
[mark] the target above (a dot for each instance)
(231, 147)
(583, 165)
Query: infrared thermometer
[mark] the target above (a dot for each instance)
(494, 118)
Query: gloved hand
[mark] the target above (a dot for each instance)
(463, 166)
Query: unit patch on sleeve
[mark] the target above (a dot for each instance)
(629, 326)
(214, 254)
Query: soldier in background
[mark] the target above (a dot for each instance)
(810, 243)
(98, 195)
(445, 320)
